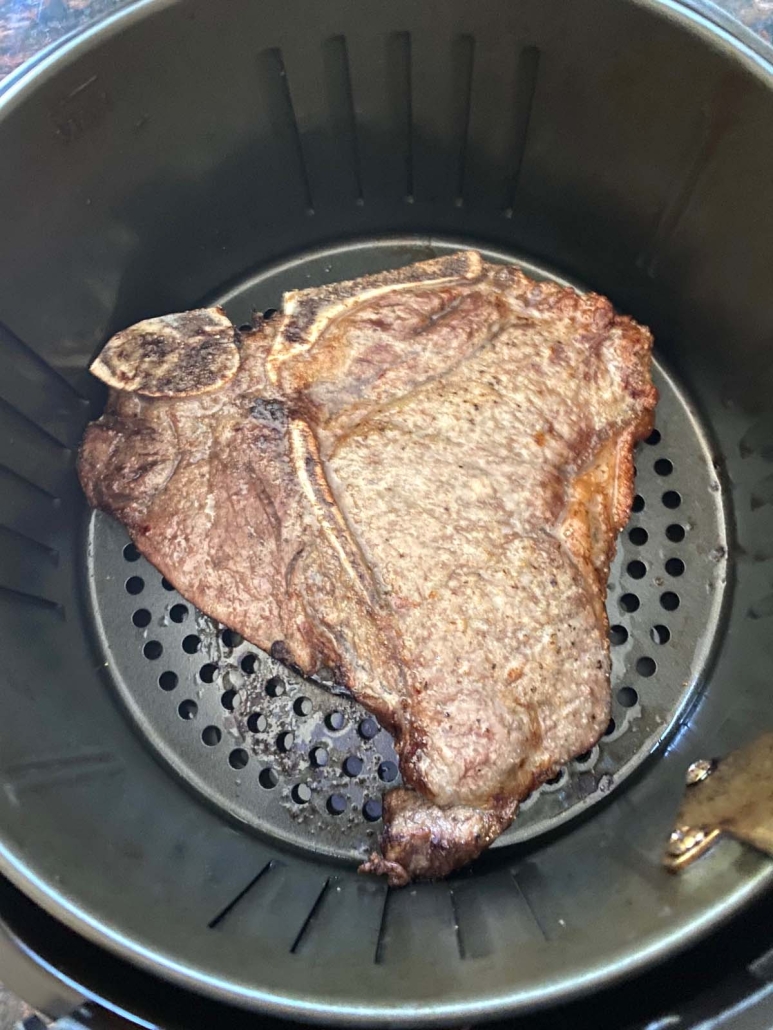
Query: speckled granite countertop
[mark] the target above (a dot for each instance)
(26, 26)
(755, 14)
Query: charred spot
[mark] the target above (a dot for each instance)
(337, 675)
(380, 323)
(280, 652)
(270, 411)
(154, 345)
(293, 332)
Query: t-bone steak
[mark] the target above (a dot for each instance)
(414, 479)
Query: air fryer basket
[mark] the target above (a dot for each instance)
(168, 791)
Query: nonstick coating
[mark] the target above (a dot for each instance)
(173, 155)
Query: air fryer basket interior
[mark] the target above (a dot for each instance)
(175, 155)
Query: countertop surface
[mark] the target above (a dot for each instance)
(27, 26)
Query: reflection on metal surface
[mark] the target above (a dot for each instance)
(734, 796)
(699, 770)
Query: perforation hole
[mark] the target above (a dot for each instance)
(663, 467)
(135, 585)
(654, 438)
(646, 666)
(660, 634)
(285, 741)
(671, 499)
(178, 612)
(584, 758)
(636, 569)
(669, 600)
(371, 810)
(257, 722)
(269, 313)
(231, 638)
(153, 650)
(275, 687)
(141, 618)
(191, 643)
(166, 584)
(336, 804)
(211, 736)
(617, 635)
(638, 504)
(638, 536)
(268, 778)
(353, 765)
(188, 709)
(675, 532)
(368, 729)
(248, 664)
(168, 680)
(335, 721)
(629, 603)
(627, 697)
(228, 700)
(303, 706)
(387, 771)
(131, 553)
(238, 758)
(301, 793)
(675, 567)
(319, 757)
(611, 727)
(207, 673)
(557, 780)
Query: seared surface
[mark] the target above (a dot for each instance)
(415, 479)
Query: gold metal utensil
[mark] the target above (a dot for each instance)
(732, 796)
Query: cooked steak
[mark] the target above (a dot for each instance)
(415, 479)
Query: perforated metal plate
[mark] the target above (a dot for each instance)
(297, 762)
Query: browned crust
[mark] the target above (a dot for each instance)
(422, 842)
(308, 312)
(599, 505)
(303, 307)
(181, 355)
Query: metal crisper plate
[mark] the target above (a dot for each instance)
(293, 760)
